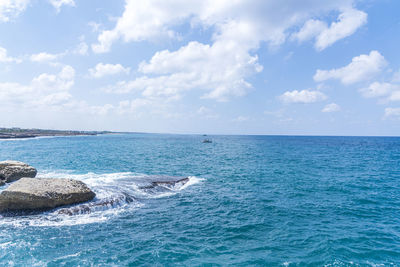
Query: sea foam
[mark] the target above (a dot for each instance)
(116, 194)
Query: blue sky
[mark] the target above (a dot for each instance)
(209, 66)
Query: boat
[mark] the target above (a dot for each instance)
(207, 141)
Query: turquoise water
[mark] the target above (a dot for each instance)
(251, 200)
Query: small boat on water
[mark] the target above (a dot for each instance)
(207, 141)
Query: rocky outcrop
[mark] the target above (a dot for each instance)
(11, 171)
(44, 193)
(154, 185)
(165, 183)
(92, 206)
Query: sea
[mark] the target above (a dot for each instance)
(248, 201)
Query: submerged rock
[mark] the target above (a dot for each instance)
(161, 182)
(44, 193)
(93, 206)
(173, 183)
(153, 186)
(11, 171)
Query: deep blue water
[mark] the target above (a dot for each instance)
(251, 200)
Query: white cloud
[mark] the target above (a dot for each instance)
(241, 119)
(309, 30)
(378, 89)
(131, 106)
(45, 89)
(361, 68)
(52, 93)
(11, 8)
(348, 22)
(44, 57)
(221, 69)
(136, 108)
(199, 66)
(395, 95)
(5, 58)
(265, 20)
(13, 91)
(144, 20)
(331, 108)
(304, 96)
(57, 4)
(95, 26)
(167, 87)
(99, 110)
(63, 81)
(195, 66)
(81, 49)
(392, 112)
(390, 91)
(396, 76)
(208, 113)
(101, 70)
(48, 92)
(203, 110)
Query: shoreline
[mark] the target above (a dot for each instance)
(17, 133)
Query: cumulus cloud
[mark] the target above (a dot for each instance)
(265, 20)
(348, 22)
(304, 96)
(396, 76)
(101, 70)
(222, 68)
(211, 68)
(81, 49)
(208, 113)
(392, 112)
(63, 81)
(310, 29)
(361, 68)
(49, 92)
(11, 8)
(205, 67)
(131, 106)
(386, 91)
(136, 108)
(57, 4)
(241, 119)
(395, 96)
(44, 57)
(94, 26)
(5, 58)
(331, 108)
(45, 89)
(378, 89)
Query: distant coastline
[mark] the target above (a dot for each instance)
(19, 133)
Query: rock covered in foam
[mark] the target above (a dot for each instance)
(11, 171)
(165, 182)
(44, 193)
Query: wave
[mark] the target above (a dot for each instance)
(116, 193)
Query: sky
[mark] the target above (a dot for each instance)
(271, 67)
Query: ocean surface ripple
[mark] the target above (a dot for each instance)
(249, 200)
